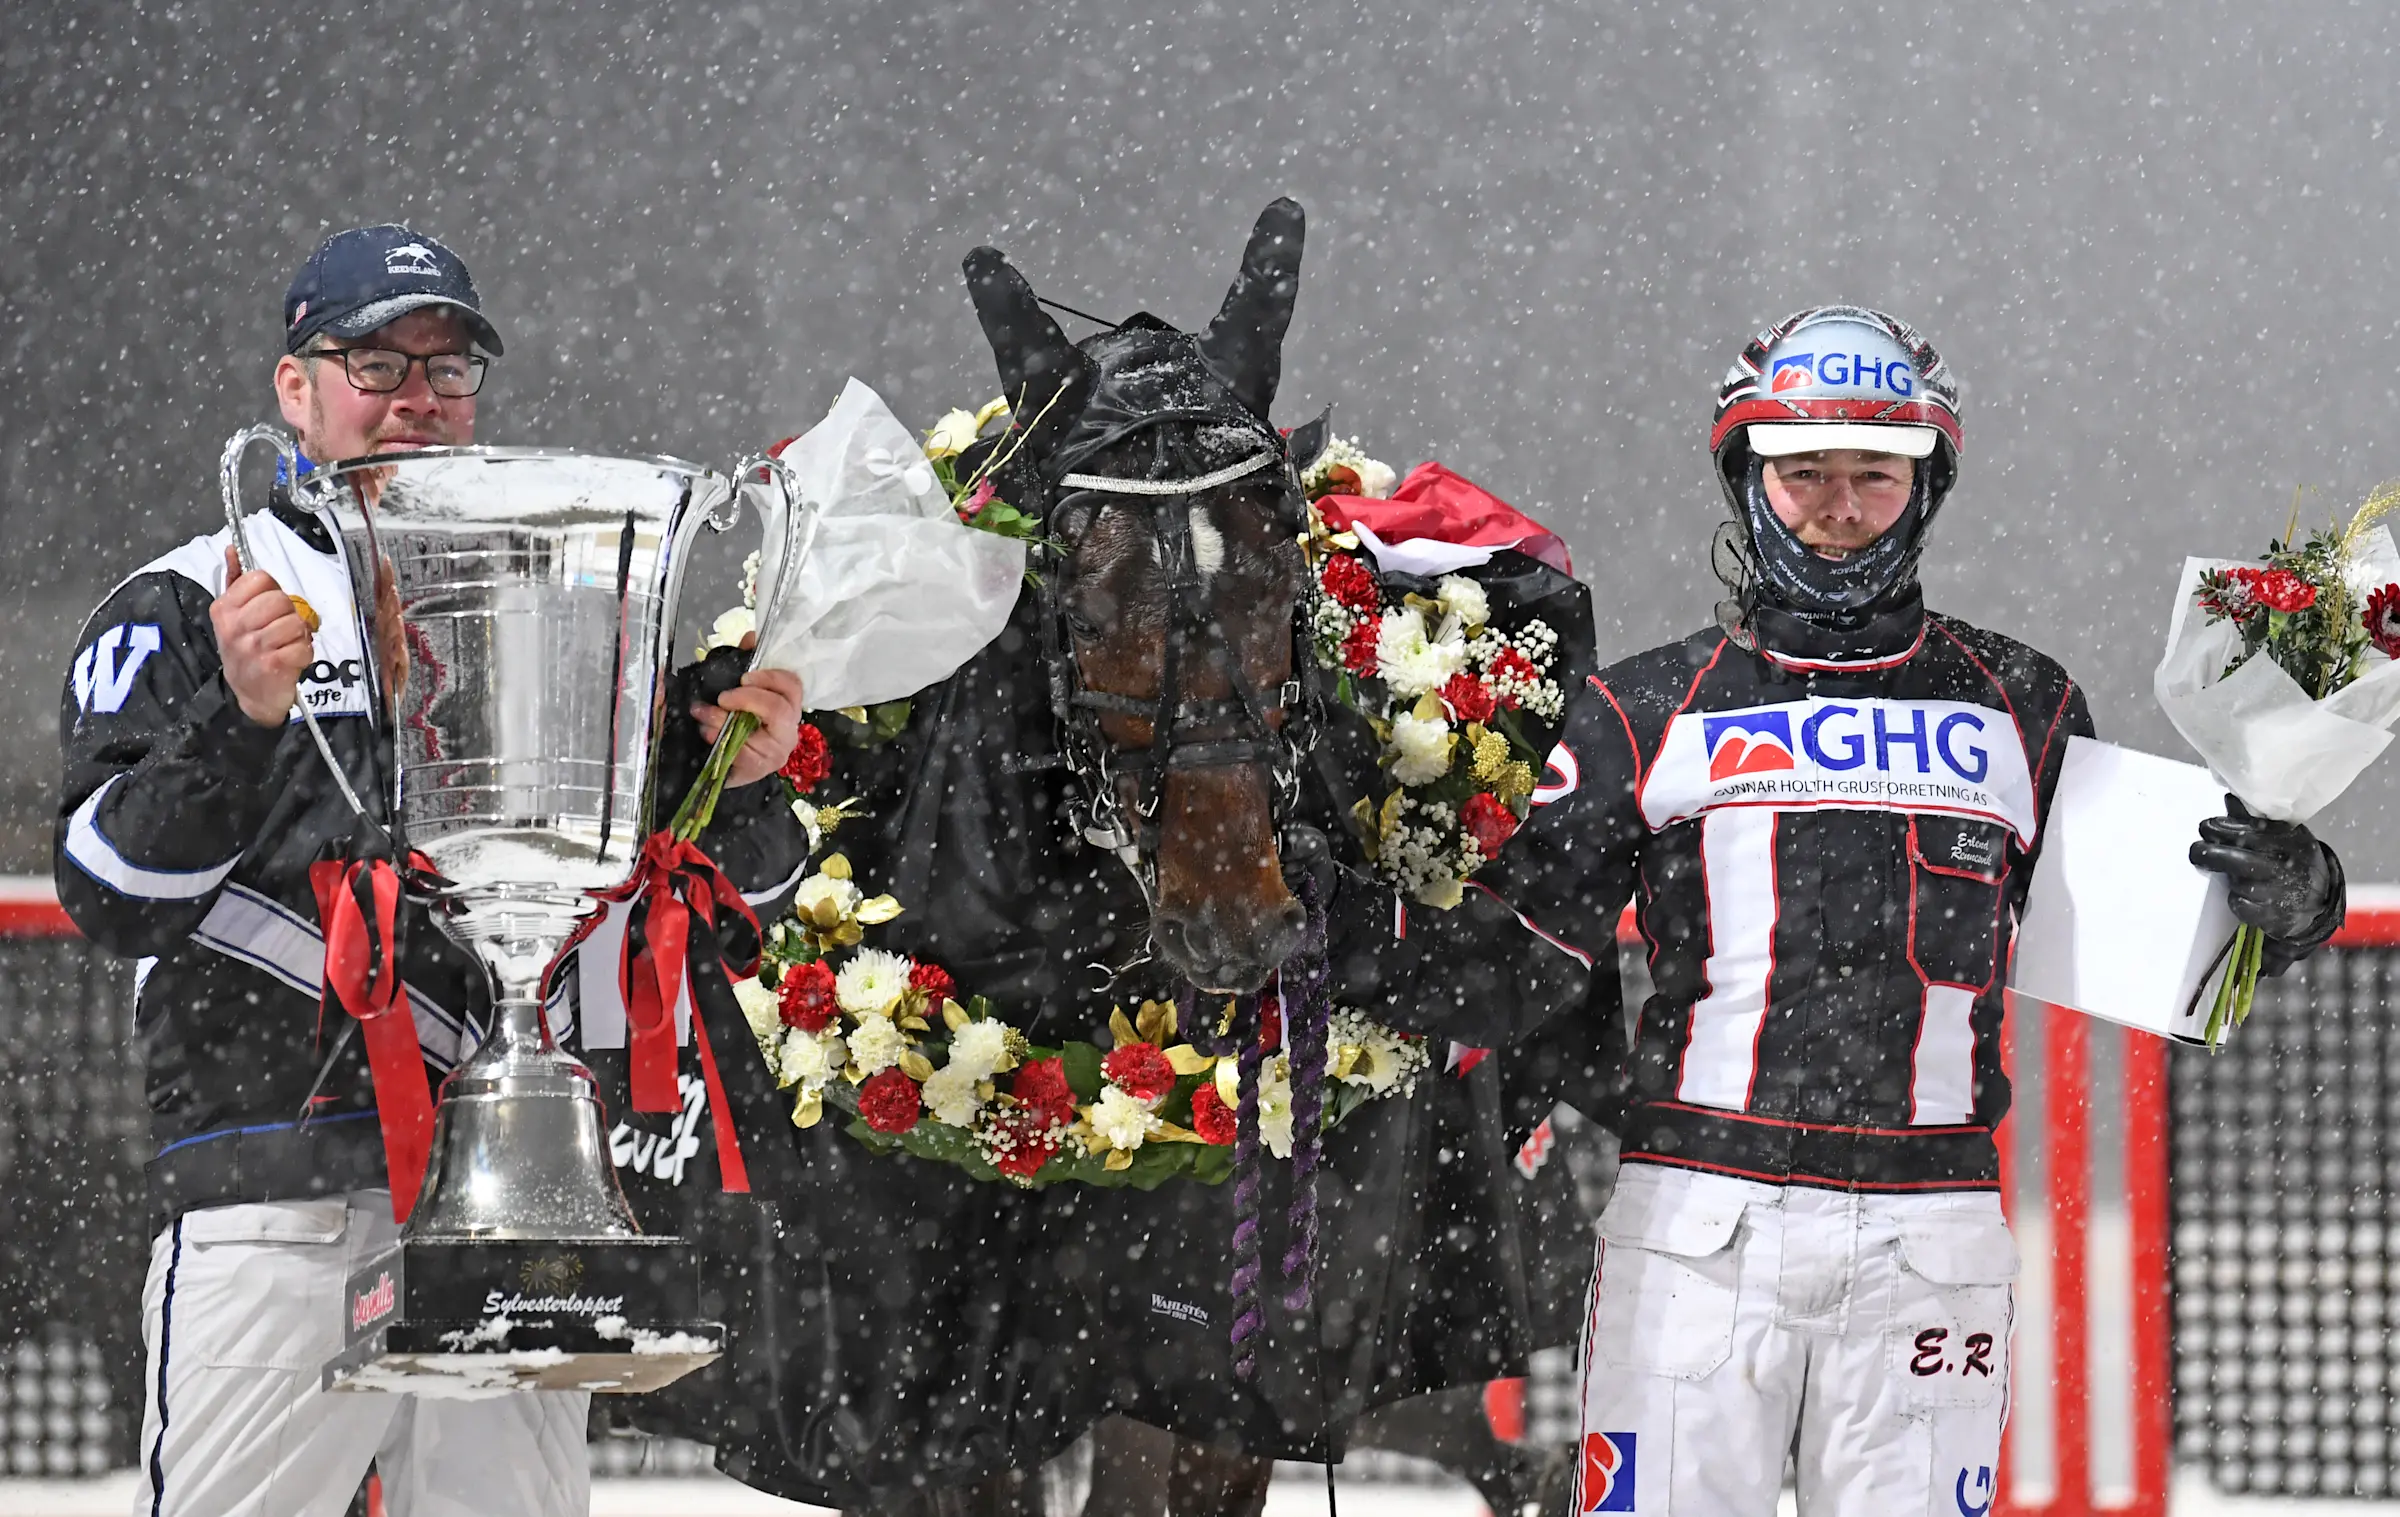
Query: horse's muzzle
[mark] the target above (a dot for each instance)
(1229, 946)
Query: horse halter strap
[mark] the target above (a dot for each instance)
(1189, 620)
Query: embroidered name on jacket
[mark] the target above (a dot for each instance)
(1945, 757)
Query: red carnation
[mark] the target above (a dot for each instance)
(1030, 1139)
(889, 1102)
(2383, 620)
(806, 996)
(2282, 590)
(1487, 821)
(1212, 1119)
(809, 762)
(1358, 649)
(1140, 1070)
(1469, 699)
(1041, 1088)
(934, 980)
(1350, 582)
(1270, 1021)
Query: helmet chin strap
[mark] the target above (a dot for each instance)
(1785, 571)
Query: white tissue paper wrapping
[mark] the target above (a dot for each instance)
(2285, 755)
(896, 592)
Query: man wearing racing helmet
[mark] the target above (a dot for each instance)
(1826, 808)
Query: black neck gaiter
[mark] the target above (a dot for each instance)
(1833, 592)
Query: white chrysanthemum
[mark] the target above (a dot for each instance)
(980, 1047)
(1275, 1108)
(1375, 478)
(871, 984)
(1411, 660)
(761, 1008)
(951, 1096)
(811, 1059)
(732, 627)
(1420, 748)
(1463, 598)
(820, 888)
(1122, 1120)
(876, 1045)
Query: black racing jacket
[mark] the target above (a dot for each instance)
(185, 836)
(1827, 842)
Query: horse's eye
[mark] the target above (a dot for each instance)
(1081, 625)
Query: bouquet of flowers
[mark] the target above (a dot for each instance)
(886, 595)
(2285, 683)
(921, 1069)
(1451, 696)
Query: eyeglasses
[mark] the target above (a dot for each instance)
(380, 371)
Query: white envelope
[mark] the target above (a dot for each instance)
(2119, 924)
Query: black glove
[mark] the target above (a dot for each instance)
(681, 751)
(2285, 883)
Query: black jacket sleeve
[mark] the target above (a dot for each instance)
(1536, 923)
(2071, 717)
(166, 781)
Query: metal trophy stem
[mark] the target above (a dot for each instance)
(526, 600)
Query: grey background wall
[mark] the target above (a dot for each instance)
(2156, 239)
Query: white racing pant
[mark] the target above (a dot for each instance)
(242, 1309)
(1733, 1323)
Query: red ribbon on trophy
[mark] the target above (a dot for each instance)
(674, 883)
(358, 907)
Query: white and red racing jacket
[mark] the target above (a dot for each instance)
(1827, 847)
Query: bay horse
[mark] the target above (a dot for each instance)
(1123, 797)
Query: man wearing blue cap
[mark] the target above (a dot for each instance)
(193, 805)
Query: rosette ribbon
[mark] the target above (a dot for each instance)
(358, 908)
(674, 885)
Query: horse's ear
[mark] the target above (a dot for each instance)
(1244, 344)
(1307, 441)
(1034, 357)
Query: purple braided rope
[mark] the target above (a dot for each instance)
(1249, 1314)
(1307, 1009)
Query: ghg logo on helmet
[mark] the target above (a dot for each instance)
(1828, 379)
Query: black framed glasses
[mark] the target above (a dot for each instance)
(380, 371)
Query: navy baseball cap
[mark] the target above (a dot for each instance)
(359, 280)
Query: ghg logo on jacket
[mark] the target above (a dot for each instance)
(1947, 757)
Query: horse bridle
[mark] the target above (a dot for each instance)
(1088, 756)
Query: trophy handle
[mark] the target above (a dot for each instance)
(789, 521)
(287, 453)
(230, 468)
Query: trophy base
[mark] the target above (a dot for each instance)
(458, 1320)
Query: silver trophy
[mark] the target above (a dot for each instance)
(535, 594)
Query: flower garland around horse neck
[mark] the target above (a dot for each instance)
(890, 1042)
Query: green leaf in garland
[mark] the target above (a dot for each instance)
(1080, 1062)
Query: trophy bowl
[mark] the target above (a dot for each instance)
(517, 608)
